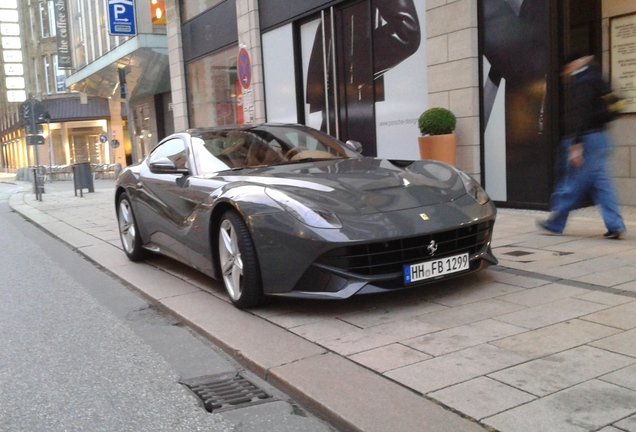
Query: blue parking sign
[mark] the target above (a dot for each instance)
(121, 17)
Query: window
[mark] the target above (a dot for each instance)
(47, 74)
(192, 8)
(174, 150)
(214, 91)
(47, 18)
(60, 85)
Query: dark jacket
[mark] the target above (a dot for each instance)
(585, 111)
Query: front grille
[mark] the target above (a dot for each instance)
(381, 258)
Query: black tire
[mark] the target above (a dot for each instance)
(238, 262)
(129, 230)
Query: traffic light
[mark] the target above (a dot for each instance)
(158, 10)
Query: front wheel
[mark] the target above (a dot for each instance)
(128, 231)
(238, 261)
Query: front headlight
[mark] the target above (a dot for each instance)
(473, 188)
(313, 217)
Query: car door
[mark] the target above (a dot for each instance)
(166, 198)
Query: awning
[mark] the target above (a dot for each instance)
(145, 58)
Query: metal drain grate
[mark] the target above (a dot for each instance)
(226, 391)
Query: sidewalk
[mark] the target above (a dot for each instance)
(545, 341)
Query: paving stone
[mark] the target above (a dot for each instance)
(482, 397)
(629, 424)
(623, 316)
(547, 293)
(623, 343)
(466, 314)
(565, 369)
(457, 338)
(552, 339)
(551, 313)
(586, 407)
(450, 369)
(389, 357)
(625, 377)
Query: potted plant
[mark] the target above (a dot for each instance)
(438, 141)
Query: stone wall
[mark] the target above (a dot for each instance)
(453, 72)
(623, 130)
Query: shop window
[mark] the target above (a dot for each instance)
(158, 11)
(214, 92)
(85, 145)
(192, 8)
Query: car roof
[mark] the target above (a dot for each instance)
(244, 127)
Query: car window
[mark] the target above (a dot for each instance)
(266, 145)
(173, 149)
(208, 154)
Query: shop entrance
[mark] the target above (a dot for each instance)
(339, 85)
(523, 43)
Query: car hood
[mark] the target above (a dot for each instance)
(359, 185)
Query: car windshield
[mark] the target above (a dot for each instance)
(223, 149)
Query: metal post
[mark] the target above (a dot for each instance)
(38, 192)
(131, 117)
(48, 125)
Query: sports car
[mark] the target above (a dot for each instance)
(286, 210)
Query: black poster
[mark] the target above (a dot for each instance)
(516, 47)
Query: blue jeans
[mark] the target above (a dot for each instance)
(593, 178)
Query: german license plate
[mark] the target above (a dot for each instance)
(435, 268)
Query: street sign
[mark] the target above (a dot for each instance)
(33, 129)
(114, 143)
(103, 138)
(35, 140)
(121, 18)
(31, 109)
(244, 66)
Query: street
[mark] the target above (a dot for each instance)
(81, 351)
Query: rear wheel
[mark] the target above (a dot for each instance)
(128, 231)
(238, 261)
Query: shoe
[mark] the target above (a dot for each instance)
(543, 224)
(614, 235)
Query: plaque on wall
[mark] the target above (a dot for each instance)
(623, 59)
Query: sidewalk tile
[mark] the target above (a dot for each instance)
(389, 357)
(359, 340)
(610, 278)
(551, 313)
(543, 294)
(458, 338)
(565, 369)
(623, 316)
(482, 397)
(622, 343)
(450, 369)
(586, 407)
(625, 377)
(466, 314)
(555, 338)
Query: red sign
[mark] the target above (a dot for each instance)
(244, 67)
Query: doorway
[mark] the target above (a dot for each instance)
(346, 52)
(339, 84)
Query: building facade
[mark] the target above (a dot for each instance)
(364, 70)
(76, 81)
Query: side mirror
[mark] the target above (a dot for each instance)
(356, 146)
(166, 166)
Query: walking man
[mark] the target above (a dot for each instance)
(582, 165)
